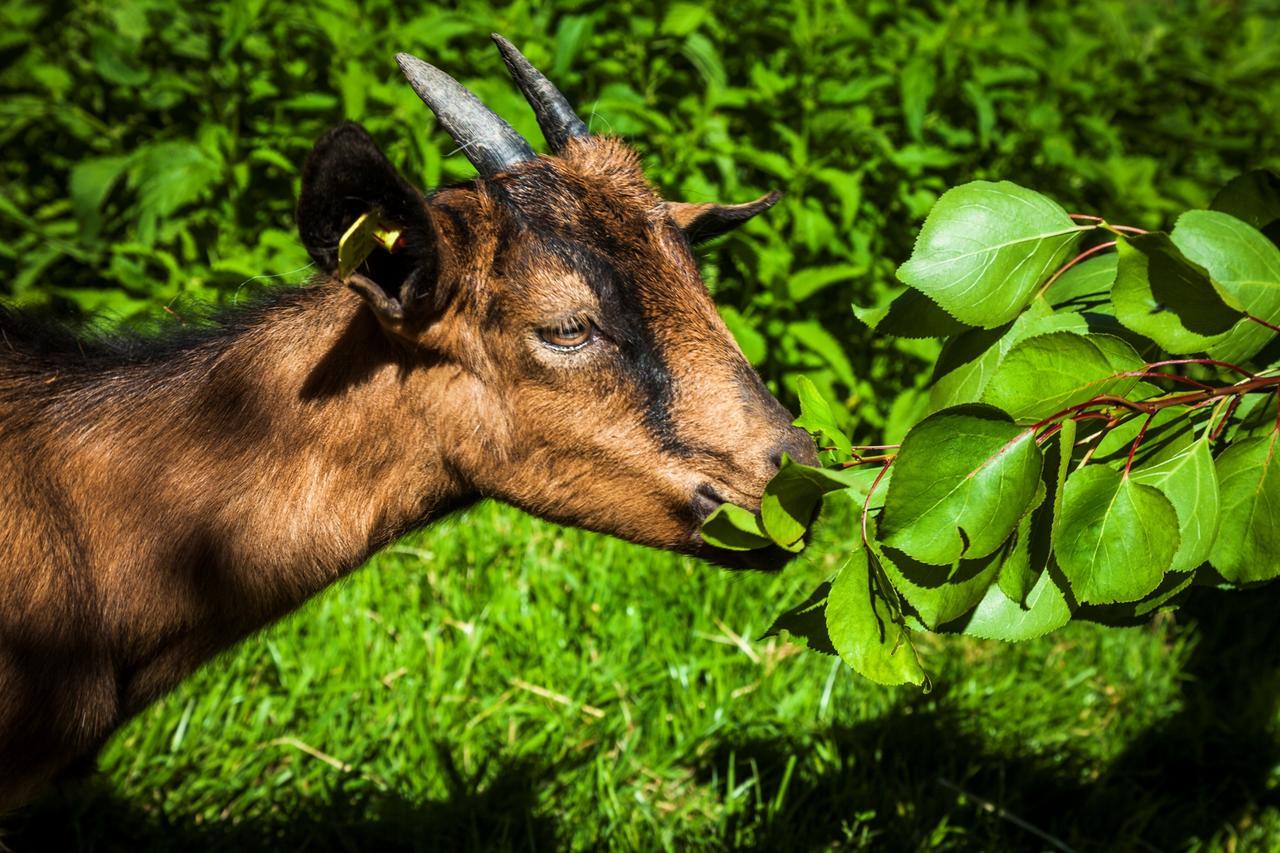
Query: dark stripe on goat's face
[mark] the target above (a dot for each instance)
(541, 221)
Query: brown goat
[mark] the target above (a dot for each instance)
(541, 337)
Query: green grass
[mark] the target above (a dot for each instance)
(411, 708)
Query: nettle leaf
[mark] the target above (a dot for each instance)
(1187, 478)
(985, 248)
(816, 417)
(812, 336)
(961, 480)
(998, 618)
(1115, 537)
(1161, 294)
(735, 529)
(804, 283)
(1087, 283)
(792, 497)
(969, 360)
(1253, 198)
(807, 620)
(1246, 266)
(91, 183)
(910, 314)
(1048, 373)
(1247, 548)
(863, 628)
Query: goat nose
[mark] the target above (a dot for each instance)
(797, 444)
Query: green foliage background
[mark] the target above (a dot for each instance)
(152, 149)
(151, 157)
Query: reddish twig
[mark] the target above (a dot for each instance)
(1207, 362)
(1133, 448)
(866, 505)
(1186, 380)
(1222, 425)
(1262, 322)
(1071, 263)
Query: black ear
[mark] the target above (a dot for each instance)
(704, 221)
(345, 176)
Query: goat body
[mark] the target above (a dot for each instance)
(155, 509)
(540, 335)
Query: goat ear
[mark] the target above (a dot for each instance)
(346, 176)
(701, 222)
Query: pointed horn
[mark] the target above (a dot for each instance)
(490, 143)
(557, 119)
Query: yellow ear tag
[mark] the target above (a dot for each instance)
(365, 234)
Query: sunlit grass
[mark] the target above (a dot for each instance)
(500, 682)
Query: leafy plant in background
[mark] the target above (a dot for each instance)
(152, 155)
(152, 148)
(1102, 429)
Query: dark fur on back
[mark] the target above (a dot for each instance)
(42, 340)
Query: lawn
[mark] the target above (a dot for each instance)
(497, 682)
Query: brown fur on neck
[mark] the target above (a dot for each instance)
(167, 509)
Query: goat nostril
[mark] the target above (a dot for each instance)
(798, 445)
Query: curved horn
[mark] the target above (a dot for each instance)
(557, 119)
(490, 143)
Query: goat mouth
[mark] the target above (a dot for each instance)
(706, 499)
(771, 559)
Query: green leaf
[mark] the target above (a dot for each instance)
(910, 314)
(807, 620)
(749, 339)
(1162, 295)
(735, 529)
(864, 630)
(808, 281)
(1017, 573)
(791, 500)
(91, 183)
(961, 480)
(969, 360)
(1052, 372)
(1253, 198)
(1032, 548)
(917, 83)
(940, 594)
(811, 335)
(1187, 478)
(985, 249)
(817, 417)
(1247, 548)
(683, 18)
(998, 618)
(1115, 538)
(1245, 265)
(1086, 283)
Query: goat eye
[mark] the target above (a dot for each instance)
(571, 334)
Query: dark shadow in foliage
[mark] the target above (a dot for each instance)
(1186, 778)
(492, 809)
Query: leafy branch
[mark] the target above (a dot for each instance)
(1099, 434)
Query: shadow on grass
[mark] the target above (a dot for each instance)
(496, 812)
(890, 783)
(893, 781)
